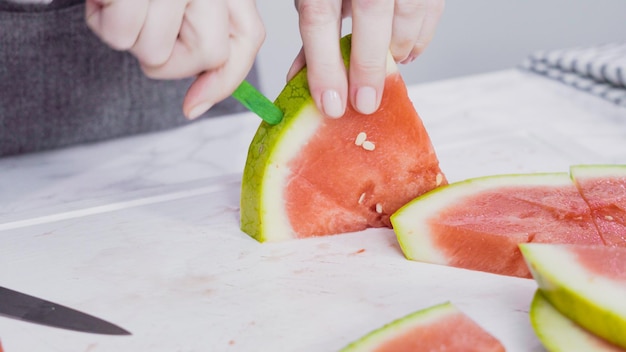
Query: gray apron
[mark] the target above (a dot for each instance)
(61, 86)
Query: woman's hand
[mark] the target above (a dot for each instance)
(402, 27)
(214, 40)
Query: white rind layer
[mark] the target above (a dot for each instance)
(411, 221)
(593, 171)
(276, 226)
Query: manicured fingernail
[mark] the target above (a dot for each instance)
(199, 110)
(366, 100)
(331, 103)
(408, 59)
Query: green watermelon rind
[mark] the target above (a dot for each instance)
(256, 196)
(400, 326)
(557, 333)
(593, 302)
(410, 222)
(263, 145)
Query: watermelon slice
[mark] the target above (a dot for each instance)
(559, 334)
(587, 284)
(442, 327)
(478, 223)
(313, 176)
(604, 188)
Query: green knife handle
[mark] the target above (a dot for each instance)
(256, 102)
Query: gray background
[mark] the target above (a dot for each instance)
(473, 36)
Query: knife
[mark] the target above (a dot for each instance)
(24, 307)
(256, 102)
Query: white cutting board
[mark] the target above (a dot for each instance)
(181, 276)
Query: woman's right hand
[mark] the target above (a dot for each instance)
(215, 41)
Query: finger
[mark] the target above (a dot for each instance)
(432, 15)
(371, 37)
(159, 33)
(116, 22)
(202, 44)
(246, 25)
(320, 28)
(247, 35)
(298, 64)
(407, 23)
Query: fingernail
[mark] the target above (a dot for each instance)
(408, 59)
(366, 100)
(199, 110)
(331, 103)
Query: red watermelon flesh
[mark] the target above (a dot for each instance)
(442, 327)
(502, 219)
(478, 224)
(608, 262)
(455, 331)
(604, 189)
(311, 175)
(337, 186)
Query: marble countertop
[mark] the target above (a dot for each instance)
(143, 231)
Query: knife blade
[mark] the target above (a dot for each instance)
(28, 308)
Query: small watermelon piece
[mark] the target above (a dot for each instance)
(311, 175)
(559, 334)
(604, 188)
(478, 223)
(585, 283)
(442, 327)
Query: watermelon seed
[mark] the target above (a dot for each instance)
(362, 198)
(367, 145)
(379, 208)
(439, 179)
(608, 217)
(360, 138)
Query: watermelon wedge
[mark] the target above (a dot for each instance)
(478, 223)
(312, 176)
(442, 327)
(604, 188)
(587, 284)
(559, 334)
